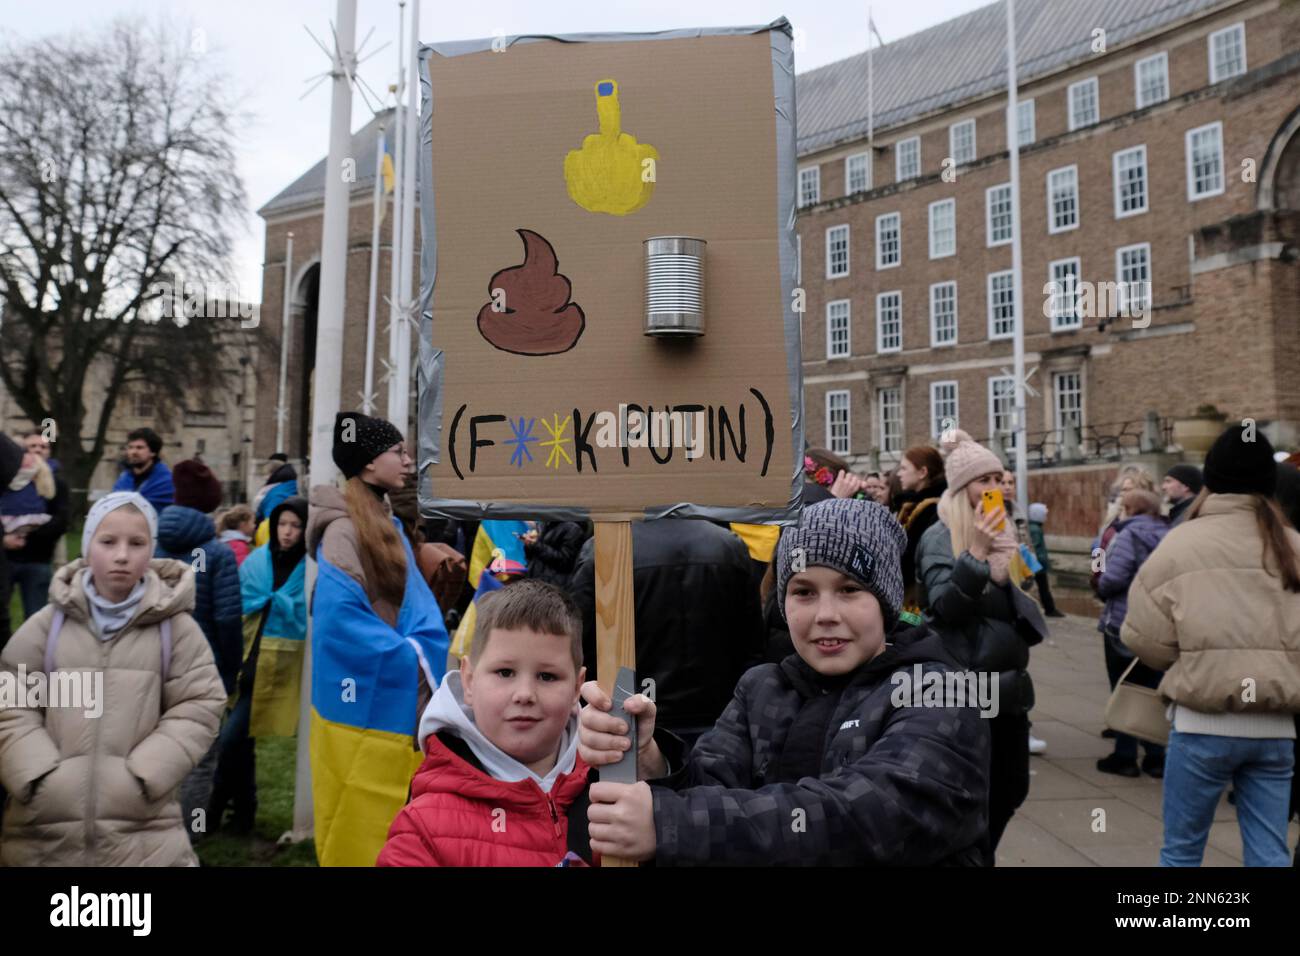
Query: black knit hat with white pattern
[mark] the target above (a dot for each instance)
(858, 538)
(360, 439)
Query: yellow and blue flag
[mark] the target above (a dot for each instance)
(365, 687)
(278, 678)
(760, 539)
(487, 583)
(498, 545)
(387, 171)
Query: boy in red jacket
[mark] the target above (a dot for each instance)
(502, 783)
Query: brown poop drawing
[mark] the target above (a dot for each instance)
(530, 312)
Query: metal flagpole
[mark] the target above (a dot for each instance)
(329, 356)
(399, 413)
(367, 391)
(1018, 340)
(399, 166)
(282, 409)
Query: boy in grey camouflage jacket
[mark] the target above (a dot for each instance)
(831, 757)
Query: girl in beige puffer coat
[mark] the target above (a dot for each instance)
(92, 780)
(1217, 608)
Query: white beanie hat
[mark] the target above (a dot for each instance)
(111, 502)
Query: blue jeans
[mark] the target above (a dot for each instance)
(1198, 767)
(32, 580)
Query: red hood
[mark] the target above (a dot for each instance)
(445, 772)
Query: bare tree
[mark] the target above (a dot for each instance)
(117, 184)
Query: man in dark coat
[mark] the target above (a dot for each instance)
(698, 621)
(1181, 484)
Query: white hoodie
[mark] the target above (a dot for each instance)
(448, 711)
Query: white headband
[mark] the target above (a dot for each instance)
(111, 502)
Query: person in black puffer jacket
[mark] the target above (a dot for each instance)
(553, 553)
(698, 622)
(986, 622)
(818, 760)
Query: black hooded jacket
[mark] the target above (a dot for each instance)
(698, 620)
(805, 770)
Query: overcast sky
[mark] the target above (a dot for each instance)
(265, 50)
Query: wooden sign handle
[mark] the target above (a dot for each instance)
(615, 613)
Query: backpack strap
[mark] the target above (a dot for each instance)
(166, 648)
(52, 640)
(56, 625)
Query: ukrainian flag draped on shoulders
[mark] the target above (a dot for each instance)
(279, 658)
(364, 697)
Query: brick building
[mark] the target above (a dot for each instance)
(1164, 134)
(299, 209)
(1159, 169)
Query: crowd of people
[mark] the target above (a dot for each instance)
(771, 729)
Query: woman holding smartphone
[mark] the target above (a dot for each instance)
(963, 568)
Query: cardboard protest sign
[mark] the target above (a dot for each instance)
(546, 166)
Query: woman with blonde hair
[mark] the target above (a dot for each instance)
(379, 645)
(963, 565)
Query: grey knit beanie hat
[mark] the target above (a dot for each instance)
(855, 537)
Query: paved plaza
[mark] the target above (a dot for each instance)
(1054, 826)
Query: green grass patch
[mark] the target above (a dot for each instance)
(276, 758)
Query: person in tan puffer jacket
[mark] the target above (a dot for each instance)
(1217, 607)
(99, 789)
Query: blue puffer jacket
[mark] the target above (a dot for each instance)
(218, 606)
(1135, 539)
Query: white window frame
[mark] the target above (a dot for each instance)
(988, 289)
(937, 420)
(1059, 324)
(1163, 59)
(993, 382)
(848, 256)
(989, 240)
(935, 343)
(1122, 285)
(1239, 28)
(952, 142)
(898, 158)
(1057, 424)
(1192, 195)
(1023, 106)
(1096, 101)
(1117, 182)
(881, 349)
(1052, 227)
(831, 353)
(817, 185)
(952, 249)
(880, 246)
(848, 421)
(848, 174)
(886, 447)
